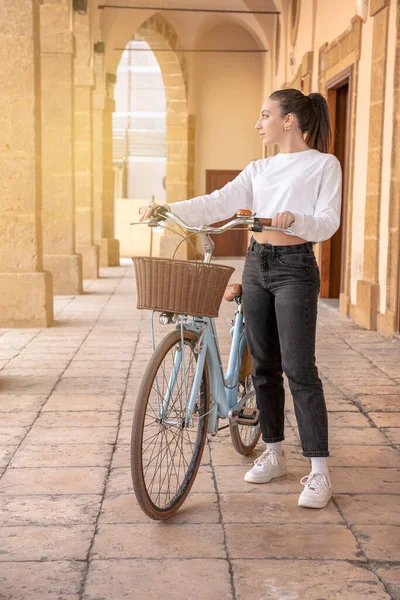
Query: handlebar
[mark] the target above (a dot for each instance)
(241, 219)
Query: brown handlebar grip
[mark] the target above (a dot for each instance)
(266, 222)
(244, 212)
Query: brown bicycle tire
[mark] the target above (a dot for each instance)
(138, 479)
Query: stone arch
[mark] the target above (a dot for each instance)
(253, 28)
(159, 33)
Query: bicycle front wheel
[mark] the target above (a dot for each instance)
(167, 443)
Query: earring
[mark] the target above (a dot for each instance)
(287, 128)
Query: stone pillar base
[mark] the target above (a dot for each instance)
(386, 322)
(367, 304)
(109, 252)
(67, 272)
(344, 305)
(26, 299)
(90, 261)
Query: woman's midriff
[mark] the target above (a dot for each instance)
(276, 238)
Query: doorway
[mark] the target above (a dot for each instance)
(234, 242)
(333, 255)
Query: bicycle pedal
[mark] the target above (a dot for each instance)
(246, 416)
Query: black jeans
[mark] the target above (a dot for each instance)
(280, 296)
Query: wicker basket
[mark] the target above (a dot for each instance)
(180, 286)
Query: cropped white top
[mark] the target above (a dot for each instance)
(306, 183)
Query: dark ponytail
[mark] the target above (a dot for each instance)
(312, 115)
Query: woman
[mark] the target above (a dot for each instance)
(300, 188)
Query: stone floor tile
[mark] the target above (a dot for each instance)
(273, 508)
(120, 481)
(389, 403)
(78, 419)
(91, 385)
(230, 479)
(308, 580)
(16, 403)
(365, 480)
(17, 419)
(371, 509)
(65, 480)
(27, 385)
(74, 372)
(363, 456)
(42, 543)
(391, 578)
(368, 436)
(159, 540)
(377, 390)
(358, 384)
(48, 510)
(123, 508)
(291, 541)
(121, 456)
(8, 354)
(389, 419)
(340, 405)
(82, 363)
(98, 357)
(65, 455)
(393, 434)
(71, 435)
(124, 434)
(6, 453)
(38, 361)
(83, 402)
(380, 542)
(12, 435)
(33, 371)
(113, 579)
(41, 580)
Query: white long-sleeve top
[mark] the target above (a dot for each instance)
(306, 183)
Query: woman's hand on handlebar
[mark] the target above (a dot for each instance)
(149, 210)
(283, 220)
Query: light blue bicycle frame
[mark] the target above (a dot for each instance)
(223, 386)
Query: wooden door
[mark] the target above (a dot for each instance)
(332, 251)
(231, 243)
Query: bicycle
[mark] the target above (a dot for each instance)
(184, 391)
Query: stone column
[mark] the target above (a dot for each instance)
(58, 187)
(180, 176)
(388, 323)
(84, 83)
(180, 156)
(368, 288)
(103, 180)
(26, 295)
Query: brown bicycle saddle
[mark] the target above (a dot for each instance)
(233, 290)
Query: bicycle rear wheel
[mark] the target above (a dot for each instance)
(245, 437)
(166, 450)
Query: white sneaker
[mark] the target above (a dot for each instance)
(266, 467)
(317, 491)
